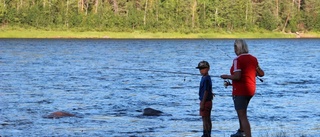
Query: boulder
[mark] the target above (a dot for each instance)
(59, 114)
(151, 112)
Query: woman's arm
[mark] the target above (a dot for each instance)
(236, 76)
(259, 71)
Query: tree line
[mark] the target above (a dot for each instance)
(187, 16)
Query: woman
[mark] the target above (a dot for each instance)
(244, 69)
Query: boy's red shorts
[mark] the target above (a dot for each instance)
(207, 109)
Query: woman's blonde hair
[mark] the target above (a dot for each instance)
(241, 46)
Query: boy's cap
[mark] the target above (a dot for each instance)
(203, 64)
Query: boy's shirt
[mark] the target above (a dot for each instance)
(205, 85)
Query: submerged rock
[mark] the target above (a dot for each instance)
(151, 112)
(59, 114)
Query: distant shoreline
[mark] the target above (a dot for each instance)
(24, 33)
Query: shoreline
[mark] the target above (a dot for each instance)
(43, 34)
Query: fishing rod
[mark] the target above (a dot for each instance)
(150, 70)
(226, 82)
(156, 71)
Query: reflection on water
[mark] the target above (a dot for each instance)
(107, 84)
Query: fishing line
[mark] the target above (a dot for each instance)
(227, 82)
(217, 47)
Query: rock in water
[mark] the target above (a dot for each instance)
(151, 112)
(59, 114)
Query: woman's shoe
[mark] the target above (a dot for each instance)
(239, 133)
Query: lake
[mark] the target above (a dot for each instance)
(107, 83)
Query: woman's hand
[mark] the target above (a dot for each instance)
(259, 71)
(224, 76)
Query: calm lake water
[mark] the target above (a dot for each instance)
(108, 83)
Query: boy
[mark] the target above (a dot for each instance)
(205, 96)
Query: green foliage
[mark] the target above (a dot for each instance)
(186, 16)
(267, 20)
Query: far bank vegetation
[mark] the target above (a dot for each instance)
(184, 16)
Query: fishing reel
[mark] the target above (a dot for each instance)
(226, 83)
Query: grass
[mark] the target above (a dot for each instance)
(34, 33)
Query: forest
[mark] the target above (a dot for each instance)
(185, 16)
